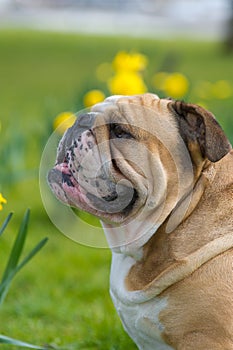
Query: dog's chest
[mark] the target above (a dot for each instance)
(140, 317)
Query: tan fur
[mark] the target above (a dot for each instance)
(200, 297)
(199, 315)
(193, 265)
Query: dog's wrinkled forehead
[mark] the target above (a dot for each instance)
(132, 110)
(114, 109)
(117, 106)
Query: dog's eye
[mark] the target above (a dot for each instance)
(118, 131)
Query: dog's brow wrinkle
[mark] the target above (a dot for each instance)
(159, 104)
(142, 102)
(153, 102)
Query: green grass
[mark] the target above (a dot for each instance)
(62, 297)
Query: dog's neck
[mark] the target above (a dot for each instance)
(130, 239)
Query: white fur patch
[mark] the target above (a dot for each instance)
(140, 316)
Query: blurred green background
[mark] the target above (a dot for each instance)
(61, 297)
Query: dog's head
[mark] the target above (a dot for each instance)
(136, 153)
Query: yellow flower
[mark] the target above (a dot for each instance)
(222, 89)
(2, 201)
(176, 85)
(64, 121)
(92, 97)
(133, 62)
(127, 83)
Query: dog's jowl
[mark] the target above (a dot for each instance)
(159, 175)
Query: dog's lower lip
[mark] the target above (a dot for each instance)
(110, 206)
(110, 197)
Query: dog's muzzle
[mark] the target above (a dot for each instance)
(82, 176)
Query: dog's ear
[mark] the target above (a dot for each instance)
(198, 125)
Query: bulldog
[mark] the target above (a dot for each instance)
(159, 175)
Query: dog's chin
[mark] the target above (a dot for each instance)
(115, 208)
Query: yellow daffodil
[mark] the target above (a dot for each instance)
(222, 89)
(127, 83)
(92, 97)
(64, 121)
(176, 85)
(132, 62)
(2, 201)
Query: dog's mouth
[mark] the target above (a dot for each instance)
(115, 206)
(83, 181)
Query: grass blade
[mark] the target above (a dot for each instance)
(33, 252)
(5, 284)
(4, 287)
(12, 266)
(11, 341)
(4, 225)
(17, 247)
